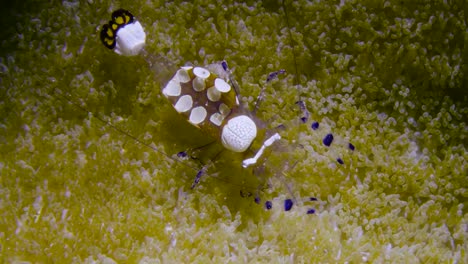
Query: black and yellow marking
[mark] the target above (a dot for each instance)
(108, 36)
(114, 26)
(120, 18)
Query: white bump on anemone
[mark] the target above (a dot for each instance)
(184, 104)
(217, 119)
(222, 86)
(213, 94)
(198, 84)
(130, 39)
(238, 133)
(197, 115)
(201, 72)
(172, 88)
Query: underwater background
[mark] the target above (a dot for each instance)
(88, 169)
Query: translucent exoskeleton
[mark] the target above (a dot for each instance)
(208, 97)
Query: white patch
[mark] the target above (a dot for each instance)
(201, 72)
(224, 110)
(213, 94)
(222, 86)
(198, 84)
(217, 119)
(238, 133)
(182, 75)
(184, 104)
(130, 39)
(197, 115)
(172, 88)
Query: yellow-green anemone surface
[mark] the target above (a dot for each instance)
(388, 76)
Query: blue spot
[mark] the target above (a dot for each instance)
(315, 125)
(312, 199)
(328, 139)
(268, 205)
(340, 161)
(225, 66)
(257, 200)
(351, 146)
(275, 74)
(304, 119)
(311, 211)
(182, 154)
(281, 127)
(288, 204)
